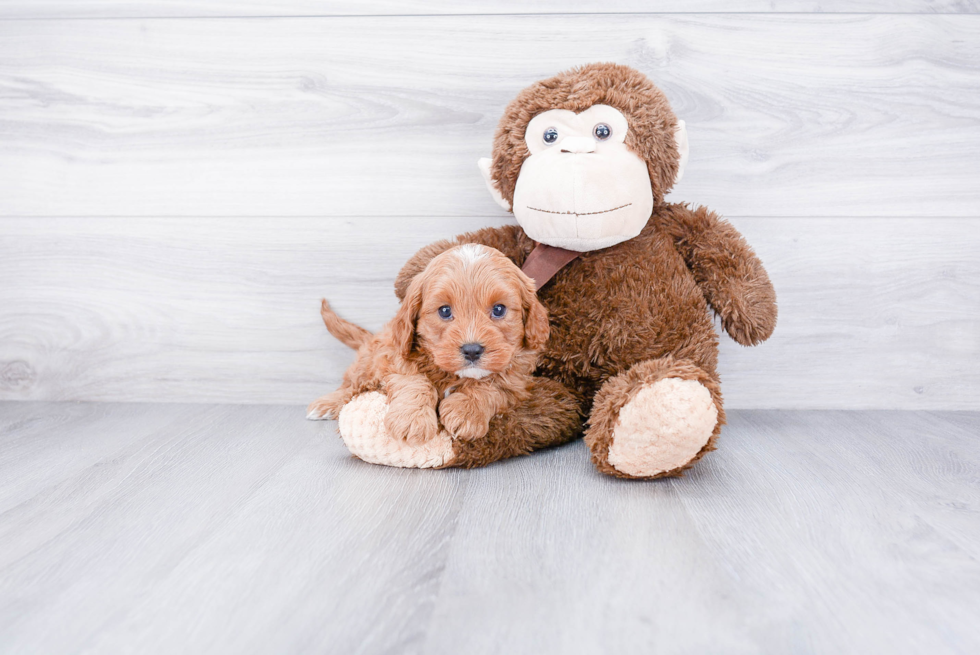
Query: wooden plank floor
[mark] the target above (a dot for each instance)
(200, 528)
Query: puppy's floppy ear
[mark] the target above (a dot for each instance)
(536, 326)
(403, 325)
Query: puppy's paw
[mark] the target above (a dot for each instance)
(327, 407)
(423, 428)
(462, 418)
(415, 425)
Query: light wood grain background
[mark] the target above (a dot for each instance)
(181, 182)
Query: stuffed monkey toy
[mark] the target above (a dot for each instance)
(584, 160)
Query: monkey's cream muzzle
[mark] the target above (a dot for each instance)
(581, 188)
(583, 200)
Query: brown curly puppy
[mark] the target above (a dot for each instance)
(461, 348)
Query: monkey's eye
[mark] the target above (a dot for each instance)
(498, 311)
(602, 131)
(446, 312)
(550, 135)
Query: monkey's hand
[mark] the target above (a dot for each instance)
(729, 273)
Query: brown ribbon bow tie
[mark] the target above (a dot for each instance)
(544, 261)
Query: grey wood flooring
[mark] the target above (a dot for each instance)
(198, 528)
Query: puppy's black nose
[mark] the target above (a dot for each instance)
(471, 351)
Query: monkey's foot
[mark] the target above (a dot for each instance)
(645, 424)
(662, 428)
(362, 428)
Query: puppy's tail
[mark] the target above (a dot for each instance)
(352, 335)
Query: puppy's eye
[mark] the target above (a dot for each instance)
(498, 311)
(446, 312)
(602, 131)
(550, 135)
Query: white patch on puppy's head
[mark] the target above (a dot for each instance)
(471, 252)
(473, 372)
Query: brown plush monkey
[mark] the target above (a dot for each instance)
(584, 160)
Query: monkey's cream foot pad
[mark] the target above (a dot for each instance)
(663, 427)
(363, 430)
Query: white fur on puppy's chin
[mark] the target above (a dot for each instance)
(362, 428)
(663, 427)
(473, 372)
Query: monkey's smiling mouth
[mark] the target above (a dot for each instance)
(604, 211)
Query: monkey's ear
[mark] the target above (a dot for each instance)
(484, 164)
(683, 147)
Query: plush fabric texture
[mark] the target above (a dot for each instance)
(549, 417)
(662, 428)
(362, 428)
(625, 317)
(641, 426)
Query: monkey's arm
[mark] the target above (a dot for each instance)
(509, 239)
(729, 273)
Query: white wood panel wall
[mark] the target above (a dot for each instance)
(28, 9)
(179, 188)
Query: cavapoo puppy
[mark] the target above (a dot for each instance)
(460, 350)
